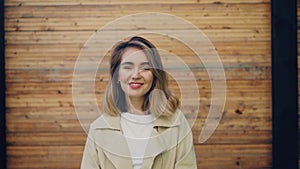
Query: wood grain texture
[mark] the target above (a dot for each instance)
(45, 38)
(241, 156)
(108, 2)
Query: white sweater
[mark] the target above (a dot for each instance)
(137, 130)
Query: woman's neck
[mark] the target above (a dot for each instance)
(136, 105)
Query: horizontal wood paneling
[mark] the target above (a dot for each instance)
(105, 2)
(55, 75)
(60, 138)
(241, 156)
(44, 39)
(68, 37)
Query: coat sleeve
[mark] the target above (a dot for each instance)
(90, 158)
(185, 157)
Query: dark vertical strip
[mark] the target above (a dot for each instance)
(284, 84)
(3, 163)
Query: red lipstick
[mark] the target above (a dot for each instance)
(135, 85)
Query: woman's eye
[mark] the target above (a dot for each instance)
(127, 67)
(145, 68)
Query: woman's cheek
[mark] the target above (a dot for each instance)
(149, 76)
(123, 76)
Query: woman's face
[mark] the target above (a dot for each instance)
(135, 75)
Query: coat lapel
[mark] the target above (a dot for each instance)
(112, 141)
(163, 138)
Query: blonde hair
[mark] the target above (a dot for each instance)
(114, 101)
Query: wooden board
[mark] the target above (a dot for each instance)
(241, 156)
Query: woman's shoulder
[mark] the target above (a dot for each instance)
(175, 119)
(180, 115)
(105, 121)
(182, 120)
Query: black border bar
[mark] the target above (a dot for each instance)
(284, 84)
(3, 163)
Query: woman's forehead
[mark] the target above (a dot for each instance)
(134, 55)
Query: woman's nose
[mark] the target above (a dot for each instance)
(136, 74)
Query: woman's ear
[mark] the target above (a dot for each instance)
(118, 80)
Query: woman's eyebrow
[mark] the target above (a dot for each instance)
(127, 63)
(145, 63)
(131, 63)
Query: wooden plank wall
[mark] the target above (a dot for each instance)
(43, 41)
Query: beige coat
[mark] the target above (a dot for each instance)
(170, 146)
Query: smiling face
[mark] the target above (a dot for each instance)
(135, 75)
(136, 70)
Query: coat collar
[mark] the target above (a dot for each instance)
(107, 121)
(156, 145)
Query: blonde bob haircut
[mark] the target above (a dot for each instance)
(163, 103)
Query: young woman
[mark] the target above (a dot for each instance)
(142, 126)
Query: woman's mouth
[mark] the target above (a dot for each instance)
(135, 85)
